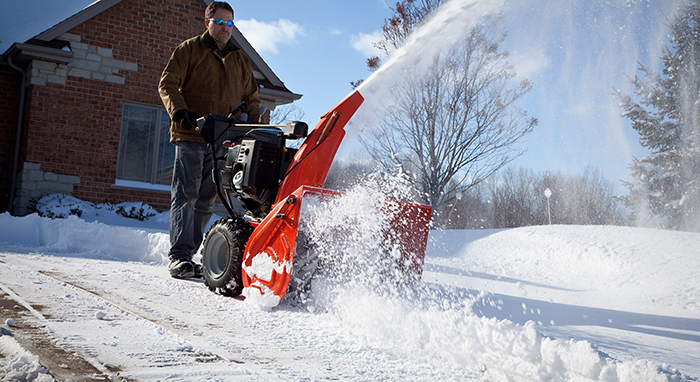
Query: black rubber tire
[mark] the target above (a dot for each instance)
(304, 268)
(222, 255)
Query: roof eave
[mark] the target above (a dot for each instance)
(28, 52)
(280, 97)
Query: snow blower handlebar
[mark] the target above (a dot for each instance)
(238, 108)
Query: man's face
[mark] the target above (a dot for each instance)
(220, 33)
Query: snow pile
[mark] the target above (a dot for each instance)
(499, 350)
(61, 206)
(17, 364)
(650, 270)
(74, 235)
(103, 231)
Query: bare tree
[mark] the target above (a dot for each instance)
(456, 123)
(285, 113)
(343, 176)
(517, 199)
(587, 198)
(466, 211)
(406, 16)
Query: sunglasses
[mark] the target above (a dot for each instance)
(222, 22)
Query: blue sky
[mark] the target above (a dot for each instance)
(574, 52)
(316, 47)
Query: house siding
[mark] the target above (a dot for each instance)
(74, 110)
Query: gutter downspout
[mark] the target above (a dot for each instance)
(18, 140)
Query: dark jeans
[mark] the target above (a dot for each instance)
(192, 195)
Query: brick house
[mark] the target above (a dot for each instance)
(80, 109)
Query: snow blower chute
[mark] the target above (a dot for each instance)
(255, 250)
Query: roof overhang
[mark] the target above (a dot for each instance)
(22, 54)
(280, 97)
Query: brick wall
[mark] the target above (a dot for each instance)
(75, 109)
(9, 104)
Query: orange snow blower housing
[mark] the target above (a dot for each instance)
(255, 250)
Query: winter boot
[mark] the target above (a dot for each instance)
(198, 274)
(181, 269)
(185, 269)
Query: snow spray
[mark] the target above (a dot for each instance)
(346, 234)
(427, 324)
(423, 323)
(447, 27)
(574, 52)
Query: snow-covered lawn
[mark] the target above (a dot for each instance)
(548, 303)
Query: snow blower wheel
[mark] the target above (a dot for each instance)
(222, 254)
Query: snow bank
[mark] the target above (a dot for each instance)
(650, 270)
(437, 326)
(21, 364)
(76, 237)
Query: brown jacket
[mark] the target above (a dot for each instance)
(202, 79)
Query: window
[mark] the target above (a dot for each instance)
(145, 152)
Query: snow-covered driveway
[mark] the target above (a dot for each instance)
(561, 303)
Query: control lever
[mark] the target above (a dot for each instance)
(238, 108)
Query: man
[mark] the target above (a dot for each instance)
(206, 74)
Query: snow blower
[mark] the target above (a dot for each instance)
(255, 250)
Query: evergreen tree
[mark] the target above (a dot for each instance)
(666, 114)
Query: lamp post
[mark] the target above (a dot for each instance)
(459, 197)
(548, 193)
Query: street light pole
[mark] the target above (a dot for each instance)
(548, 193)
(459, 197)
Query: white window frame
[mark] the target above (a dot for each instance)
(144, 184)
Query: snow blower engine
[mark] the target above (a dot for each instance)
(254, 251)
(255, 162)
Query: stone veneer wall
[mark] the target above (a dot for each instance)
(36, 183)
(89, 62)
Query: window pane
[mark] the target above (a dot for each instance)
(137, 144)
(166, 152)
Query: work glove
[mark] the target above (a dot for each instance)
(186, 118)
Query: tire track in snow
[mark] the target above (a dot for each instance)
(199, 355)
(114, 341)
(36, 337)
